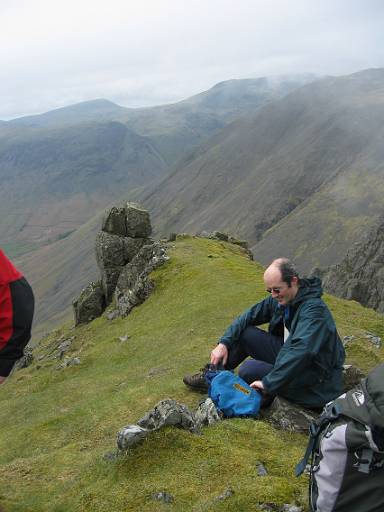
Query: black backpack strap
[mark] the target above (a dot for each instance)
(330, 414)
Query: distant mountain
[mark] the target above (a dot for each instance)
(85, 112)
(302, 177)
(59, 168)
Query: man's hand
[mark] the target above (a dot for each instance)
(258, 385)
(219, 354)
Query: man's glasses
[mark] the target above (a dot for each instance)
(274, 290)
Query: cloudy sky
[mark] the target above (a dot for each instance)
(146, 52)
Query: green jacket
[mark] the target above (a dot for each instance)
(308, 368)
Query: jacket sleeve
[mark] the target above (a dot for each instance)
(302, 346)
(258, 314)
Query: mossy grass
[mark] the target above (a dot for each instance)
(58, 425)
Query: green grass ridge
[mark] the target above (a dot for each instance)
(57, 425)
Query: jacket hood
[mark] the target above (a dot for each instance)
(309, 288)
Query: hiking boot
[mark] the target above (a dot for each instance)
(197, 381)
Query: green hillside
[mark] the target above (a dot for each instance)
(57, 425)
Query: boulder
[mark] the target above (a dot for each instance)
(90, 304)
(288, 416)
(114, 221)
(207, 413)
(168, 412)
(116, 251)
(137, 221)
(130, 436)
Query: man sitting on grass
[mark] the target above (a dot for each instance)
(300, 357)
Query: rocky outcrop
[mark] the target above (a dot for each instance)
(125, 256)
(134, 285)
(360, 276)
(225, 237)
(90, 304)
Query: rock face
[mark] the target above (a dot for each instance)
(133, 285)
(90, 304)
(125, 256)
(360, 276)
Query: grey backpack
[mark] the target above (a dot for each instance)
(346, 448)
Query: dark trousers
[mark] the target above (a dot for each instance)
(261, 346)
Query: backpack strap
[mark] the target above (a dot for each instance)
(330, 414)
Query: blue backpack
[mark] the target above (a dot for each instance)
(232, 395)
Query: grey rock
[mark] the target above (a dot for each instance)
(207, 413)
(112, 314)
(130, 436)
(111, 456)
(348, 339)
(109, 279)
(137, 221)
(360, 275)
(172, 237)
(69, 361)
(124, 338)
(90, 304)
(288, 416)
(235, 241)
(218, 235)
(26, 360)
(260, 469)
(168, 412)
(134, 284)
(351, 377)
(269, 507)
(162, 496)
(114, 221)
(116, 251)
(113, 252)
(291, 508)
(228, 493)
(375, 340)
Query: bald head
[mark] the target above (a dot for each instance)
(282, 280)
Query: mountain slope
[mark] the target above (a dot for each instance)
(58, 169)
(302, 177)
(63, 422)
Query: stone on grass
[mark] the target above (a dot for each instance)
(130, 435)
(207, 413)
(375, 340)
(168, 412)
(228, 493)
(163, 496)
(288, 416)
(260, 468)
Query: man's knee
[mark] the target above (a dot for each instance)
(252, 370)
